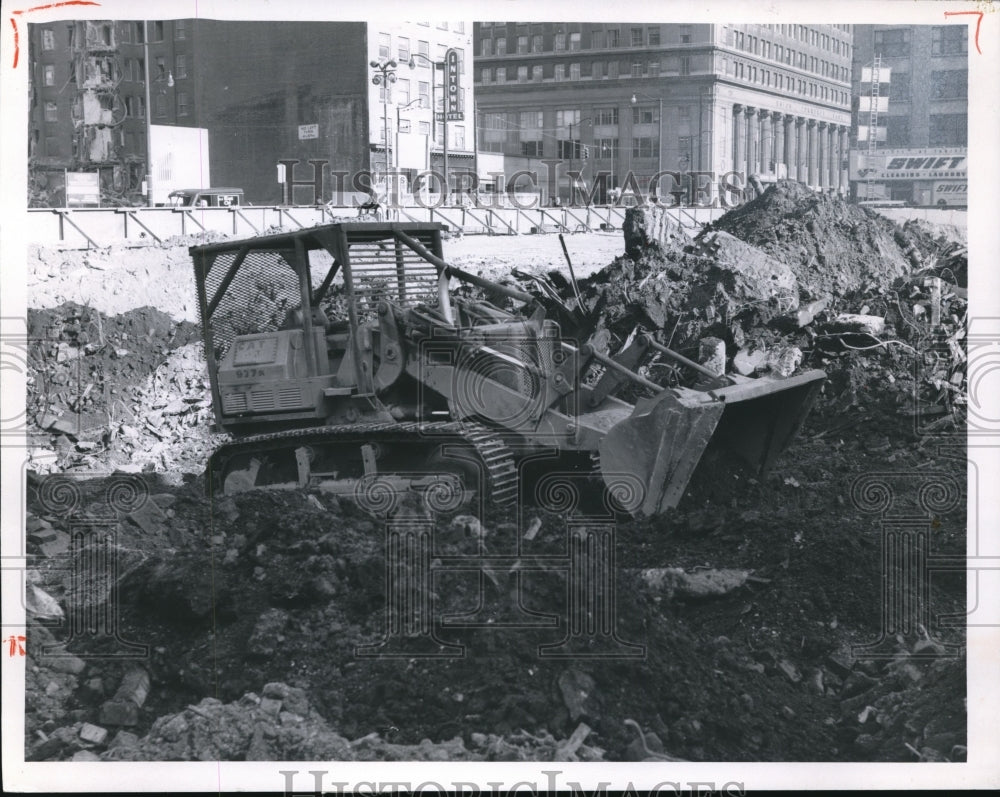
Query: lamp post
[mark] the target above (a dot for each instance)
(385, 75)
(659, 143)
(435, 66)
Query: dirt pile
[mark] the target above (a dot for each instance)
(89, 405)
(285, 588)
(834, 247)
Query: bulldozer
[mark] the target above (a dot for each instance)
(352, 358)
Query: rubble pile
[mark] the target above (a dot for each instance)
(833, 246)
(87, 395)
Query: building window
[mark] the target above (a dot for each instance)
(685, 65)
(597, 70)
(560, 72)
(384, 45)
(685, 34)
(684, 147)
(48, 39)
(161, 67)
(613, 37)
(501, 45)
(644, 115)
(522, 74)
(182, 103)
(51, 112)
(459, 141)
(895, 43)
(180, 29)
(612, 69)
(644, 147)
(442, 26)
(949, 40)
(653, 68)
(424, 49)
(606, 148)
(636, 70)
(566, 118)
(531, 149)
(460, 27)
(606, 116)
(536, 43)
(574, 71)
(522, 44)
(125, 33)
(486, 47)
(161, 104)
(180, 66)
(461, 60)
(653, 37)
(683, 111)
(574, 42)
(560, 42)
(950, 85)
(636, 37)
(403, 86)
(157, 32)
(948, 130)
(424, 89)
(501, 74)
(403, 48)
(49, 75)
(485, 75)
(536, 73)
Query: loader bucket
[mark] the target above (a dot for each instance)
(652, 455)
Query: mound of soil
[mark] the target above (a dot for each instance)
(834, 247)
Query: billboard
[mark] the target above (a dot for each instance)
(927, 163)
(180, 160)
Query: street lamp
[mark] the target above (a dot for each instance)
(436, 65)
(385, 75)
(659, 143)
(572, 150)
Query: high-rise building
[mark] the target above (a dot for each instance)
(919, 144)
(765, 100)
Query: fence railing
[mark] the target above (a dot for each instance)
(98, 227)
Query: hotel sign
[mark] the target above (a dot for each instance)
(453, 86)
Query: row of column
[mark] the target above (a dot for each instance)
(814, 152)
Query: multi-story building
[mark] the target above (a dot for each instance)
(765, 100)
(920, 136)
(228, 101)
(413, 111)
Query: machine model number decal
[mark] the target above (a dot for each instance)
(249, 373)
(255, 352)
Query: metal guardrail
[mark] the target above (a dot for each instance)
(81, 228)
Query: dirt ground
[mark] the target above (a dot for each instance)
(253, 607)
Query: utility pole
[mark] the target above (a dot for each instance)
(149, 110)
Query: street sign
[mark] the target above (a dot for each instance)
(308, 131)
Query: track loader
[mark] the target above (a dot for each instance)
(353, 358)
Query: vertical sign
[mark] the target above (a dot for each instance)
(453, 96)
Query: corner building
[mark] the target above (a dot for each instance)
(766, 100)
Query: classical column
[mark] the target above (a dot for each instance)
(813, 159)
(823, 178)
(767, 142)
(753, 141)
(843, 183)
(740, 140)
(834, 156)
(779, 141)
(803, 151)
(793, 147)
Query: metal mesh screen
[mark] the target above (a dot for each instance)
(393, 271)
(264, 289)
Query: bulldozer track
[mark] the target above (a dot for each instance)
(494, 454)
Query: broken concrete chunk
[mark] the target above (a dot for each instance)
(855, 322)
(123, 708)
(149, 517)
(58, 546)
(700, 584)
(747, 363)
(94, 734)
(785, 360)
(712, 354)
(85, 755)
